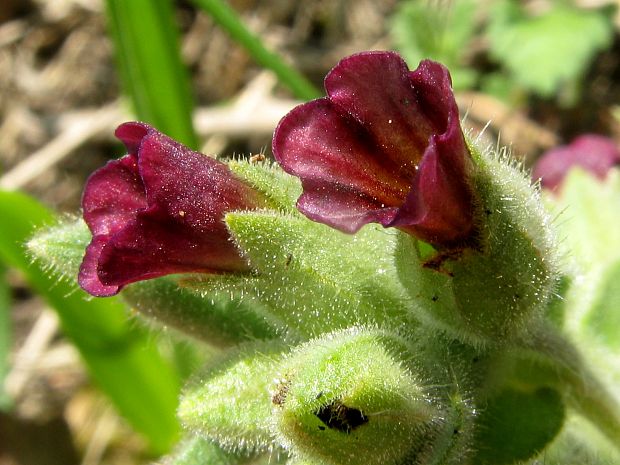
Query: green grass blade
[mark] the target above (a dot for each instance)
(228, 19)
(147, 50)
(5, 336)
(121, 357)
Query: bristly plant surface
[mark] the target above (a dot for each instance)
(387, 293)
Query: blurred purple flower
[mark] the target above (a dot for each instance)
(590, 152)
(159, 210)
(384, 146)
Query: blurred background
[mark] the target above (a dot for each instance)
(218, 76)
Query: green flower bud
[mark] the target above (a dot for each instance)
(353, 397)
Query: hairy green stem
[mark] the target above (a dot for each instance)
(226, 17)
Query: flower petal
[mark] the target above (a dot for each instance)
(385, 146)
(439, 208)
(191, 187)
(88, 279)
(156, 245)
(132, 133)
(112, 196)
(340, 207)
(323, 147)
(376, 89)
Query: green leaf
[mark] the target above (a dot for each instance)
(544, 52)
(316, 279)
(121, 357)
(516, 425)
(442, 32)
(578, 444)
(590, 307)
(216, 319)
(148, 56)
(5, 335)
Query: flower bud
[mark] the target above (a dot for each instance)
(352, 397)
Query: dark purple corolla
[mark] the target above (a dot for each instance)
(591, 152)
(159, 210)
(384, 146)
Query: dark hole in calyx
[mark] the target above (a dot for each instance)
(338, 416)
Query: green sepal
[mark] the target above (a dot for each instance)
(219, 319)
(281, 189)
(197, 450)
(60, 247)
(230, 402)
(515, 425)
(490, 293)
(353, 396)
(316, 279)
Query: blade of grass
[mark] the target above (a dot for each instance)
(147, 51)
(5, 336)
(122, 357)
(228, 19)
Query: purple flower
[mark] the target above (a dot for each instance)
(384, 146)
(159, 210)
(590, 152)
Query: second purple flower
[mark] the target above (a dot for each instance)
(384, 146)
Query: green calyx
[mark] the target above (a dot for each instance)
(489, 294)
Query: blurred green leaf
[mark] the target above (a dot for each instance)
(579, 443)
(517, 425)
(121, 357)
(147, 50)
(424, 29)
(545, 52)
(585, 230)
(603, 319)
(228, 19)
(595, 246)
(5, 335)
